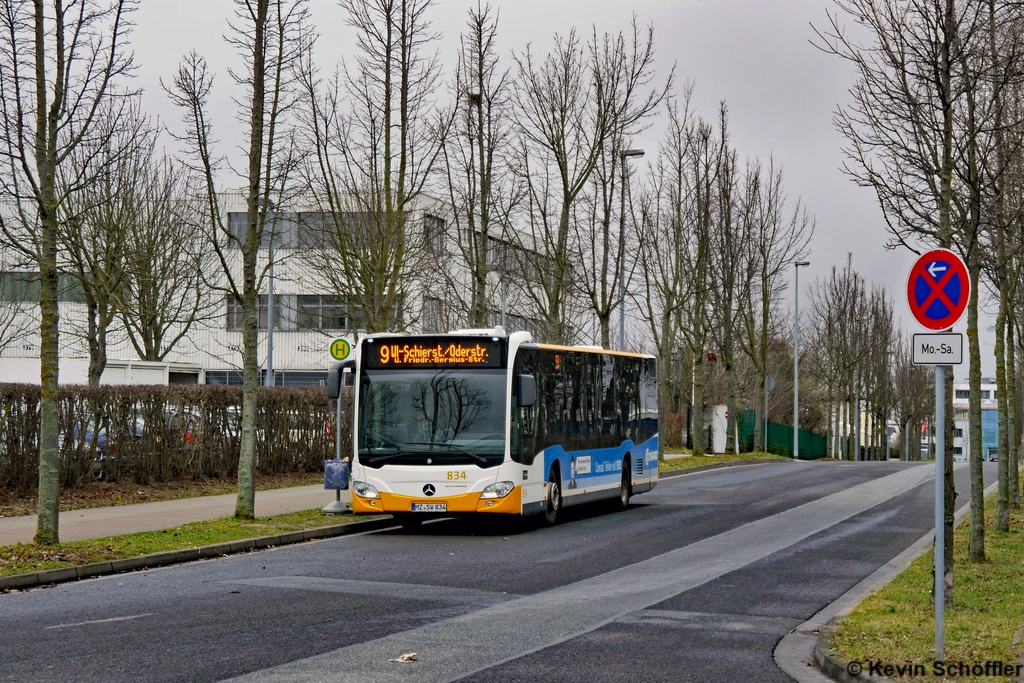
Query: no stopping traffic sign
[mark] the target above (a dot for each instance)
(938, 289)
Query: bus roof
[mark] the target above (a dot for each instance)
(589, 349)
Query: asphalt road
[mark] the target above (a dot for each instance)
(697, 581)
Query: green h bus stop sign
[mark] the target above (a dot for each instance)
(340, 349)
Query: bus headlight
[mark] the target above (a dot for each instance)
(364, 490)
(498, 490)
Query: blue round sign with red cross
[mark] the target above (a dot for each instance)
(938, 289)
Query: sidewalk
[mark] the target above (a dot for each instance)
(80, 525)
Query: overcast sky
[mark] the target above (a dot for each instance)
(754, 55)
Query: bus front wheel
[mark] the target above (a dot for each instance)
(554, 498)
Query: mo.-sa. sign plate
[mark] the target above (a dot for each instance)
(938, 349)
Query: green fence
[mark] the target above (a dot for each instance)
(780, 438)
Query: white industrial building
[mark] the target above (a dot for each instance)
(308, 315)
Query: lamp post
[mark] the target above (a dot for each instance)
(272, 214)
(796, 357)
(624, 154)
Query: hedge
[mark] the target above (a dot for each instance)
(162, 433)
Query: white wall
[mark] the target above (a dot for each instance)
(26, 370)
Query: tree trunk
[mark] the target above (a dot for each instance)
(1003, 500)
(977, 545)
(48, 511)
(697, 426)
(245, 505)
(47, 122)
(1013, 439)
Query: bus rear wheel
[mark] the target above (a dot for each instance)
(554, 499)
(625, 486)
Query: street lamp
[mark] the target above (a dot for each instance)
(796, 356)
(624, 154)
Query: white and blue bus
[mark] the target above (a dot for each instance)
(478, 421)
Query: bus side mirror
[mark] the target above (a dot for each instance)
(527, 391)
(334, 381)
(348, 378)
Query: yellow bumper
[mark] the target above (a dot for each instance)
(511, 504)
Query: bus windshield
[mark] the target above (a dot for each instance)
(432, 417)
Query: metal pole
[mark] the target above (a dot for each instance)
(856, 418)
(337, 441)
(504, 298)
(270, 313)
(622, 259)
(940, 510)
(796, 361)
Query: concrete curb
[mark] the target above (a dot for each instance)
(52, 576)
(804, 652)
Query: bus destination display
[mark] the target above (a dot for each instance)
(426, 353)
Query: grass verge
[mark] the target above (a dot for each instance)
(668, 465)
(102, 494)
(21, 558)
(897, 624)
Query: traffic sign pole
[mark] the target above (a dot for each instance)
(938, 290)
(940, 513)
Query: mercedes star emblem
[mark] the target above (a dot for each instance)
(428, 490)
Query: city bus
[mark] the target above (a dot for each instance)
(484, 422)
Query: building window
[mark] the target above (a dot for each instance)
(432, 315)
(963, 393)
(957, 450)
(25, 287)
(234, 320)
(317, 312)
(236, 313)
(958, 433)
(286, 228)
(229, 377)
(986, 394)
(433, 232)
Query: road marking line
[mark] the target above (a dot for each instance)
(452, 649)
(100, 621)
(406, 591)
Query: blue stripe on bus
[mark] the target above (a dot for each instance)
(599, 466)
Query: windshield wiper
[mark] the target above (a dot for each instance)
(382, 456)
(479, 458)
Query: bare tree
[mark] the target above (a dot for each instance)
(839, 342)
(777, 238)
(912, 139)
(479, 183)
(914, 398)
(163, 295)
(561, 132)
(59, 71)
(368, 165)
(271, 37)
(626, 100)
(664, 234)
(97, 224)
